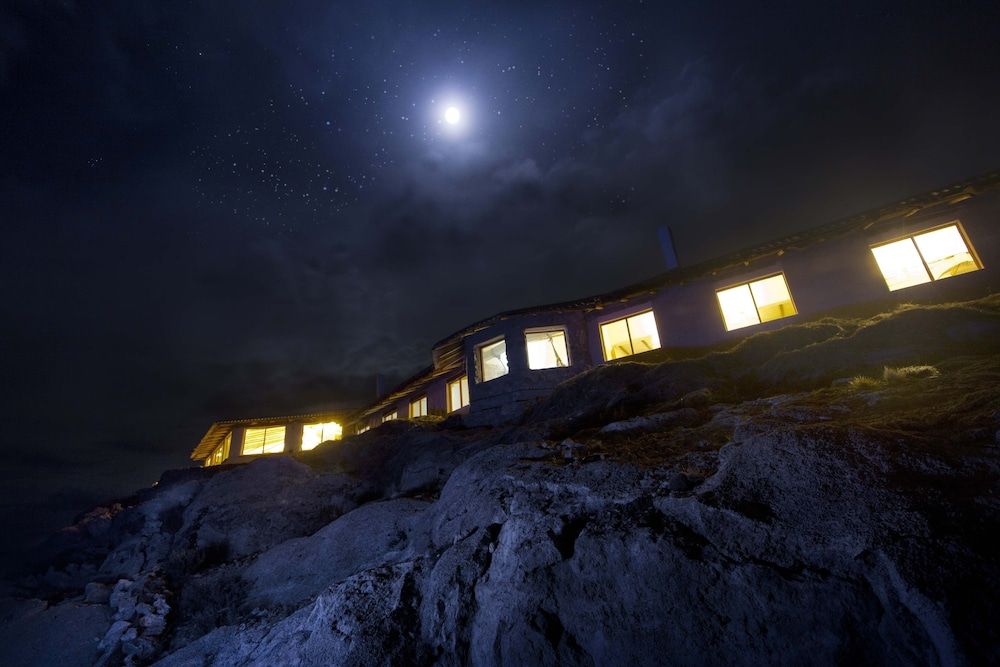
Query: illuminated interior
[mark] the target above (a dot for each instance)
(418, 408)
(220, 453)
(546, 349)
(458, 393)
(264, 440)
(493, 360)
(931, 255)
(314, 434)
(630, 335)
(361, 429)
(754, 302)
(390, 416)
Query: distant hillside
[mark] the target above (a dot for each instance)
(825, 494)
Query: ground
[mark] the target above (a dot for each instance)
(822, 494)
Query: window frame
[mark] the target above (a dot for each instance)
(422, 399)
(912, 237)
(390, 416)
(625, 318)
(322, 434)
(263, 445)
(222, 450)
(550, 329)
(462, 394)
(747, 283)
(480, 366)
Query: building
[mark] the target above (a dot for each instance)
(939, 246)
(241, 440)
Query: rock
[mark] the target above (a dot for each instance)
(65, 635)
(96, 593)
(235, 507)
(137, 648)
(377, 533)
(123, 600)
(663, 420)
(153, 624)
(699, 398)
(678, 483)
(113, 636)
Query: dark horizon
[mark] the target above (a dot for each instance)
(225, 210)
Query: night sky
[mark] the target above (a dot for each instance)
(223, 209)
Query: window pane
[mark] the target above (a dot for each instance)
(312, 435)
(546, 349)
(945, 252)
(389, 417)
(772, 298)
(900, 264)
(418, 408)
(642, 328)
(614, 335)
(737, 306)
(465, 390)
(493, 360)
(454, 395)
(274, 440)
(253, 441)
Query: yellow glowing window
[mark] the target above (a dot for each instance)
(546, 349)
(930, 255)
(755, 302)
(269, 440)
(493, 360)
(388, 417)
(314, 434)
(220, 453)
(458, 393)
(363, 428)
(630, 335)
(418, 408)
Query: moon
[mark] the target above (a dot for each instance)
(453, 115)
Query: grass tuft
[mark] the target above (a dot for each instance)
(909, 373)
(861, 382)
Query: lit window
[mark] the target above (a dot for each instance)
(755, 302)
(630, 335)
(314, 434)
(458, 393)
(546, 349)
(220, 453)
(493, 360)
(390, 416)
(269, 440)
(418, 408)
(931, 255)
(362, 429)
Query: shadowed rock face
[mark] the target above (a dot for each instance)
(748, 507)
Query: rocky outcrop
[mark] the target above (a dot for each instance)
(767, 520)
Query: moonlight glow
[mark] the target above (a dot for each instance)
(453, 115)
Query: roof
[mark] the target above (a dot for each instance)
(414, 383)
(218, 431)
(948, 195)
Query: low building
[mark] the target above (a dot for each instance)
(943, 245)
(241, 440)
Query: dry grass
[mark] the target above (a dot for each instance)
(862, 382)
(909, 373)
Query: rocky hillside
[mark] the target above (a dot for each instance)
(823, 494)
